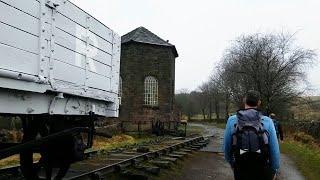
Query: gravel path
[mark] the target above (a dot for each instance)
(209, 162)
(202, 166)
(288, 170)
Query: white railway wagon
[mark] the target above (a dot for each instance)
(56, 59)
(59, 71)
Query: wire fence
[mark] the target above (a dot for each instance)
(146, 127)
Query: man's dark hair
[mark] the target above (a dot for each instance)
(252, 98)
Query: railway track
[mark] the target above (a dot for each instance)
(132, 161)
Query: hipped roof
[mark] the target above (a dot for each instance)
(143, 35)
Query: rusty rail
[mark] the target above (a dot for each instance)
(131, 161)
(160, 148)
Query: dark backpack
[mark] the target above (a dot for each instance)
(250, 139)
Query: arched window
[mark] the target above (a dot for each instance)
(151, 91)
(120, 87)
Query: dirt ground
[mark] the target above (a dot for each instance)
(202, 166)
(210, 164)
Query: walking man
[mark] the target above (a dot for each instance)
(277, 126)
(250, 142)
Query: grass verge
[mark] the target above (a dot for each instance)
(15, 160)
(10, 161)
(306, 157)
(118, 141)
(99, 143)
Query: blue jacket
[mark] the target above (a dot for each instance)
(273, 141)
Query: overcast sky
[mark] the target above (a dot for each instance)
(203, 29)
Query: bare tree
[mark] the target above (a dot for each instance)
(204, 99)
(269, 63)
(212, 94)
(215, 94)
(224, 92)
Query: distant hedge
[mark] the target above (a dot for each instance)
(312, 128)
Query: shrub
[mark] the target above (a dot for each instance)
(304, 138)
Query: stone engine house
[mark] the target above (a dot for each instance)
(147, 79)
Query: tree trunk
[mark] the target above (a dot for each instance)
(210, 111)
(227, 106)
(217, 109)
(204, 114)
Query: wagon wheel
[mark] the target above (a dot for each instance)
(32, 126)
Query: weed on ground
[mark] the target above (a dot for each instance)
(306, 156)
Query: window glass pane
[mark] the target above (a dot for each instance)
(151, 91)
